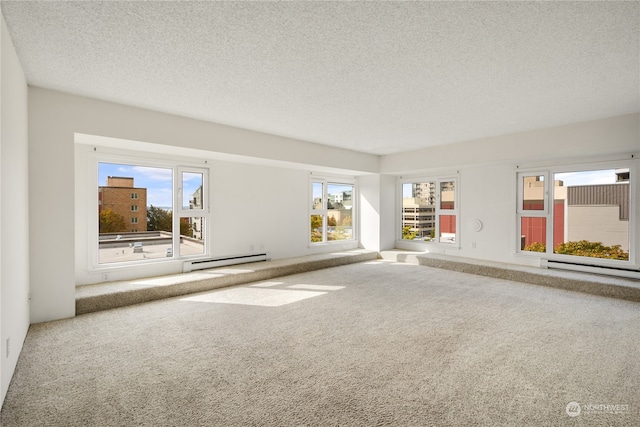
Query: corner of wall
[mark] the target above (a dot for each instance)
(14, 224)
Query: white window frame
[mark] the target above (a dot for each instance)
(548, 213)
(438, 180)
(533, 213)
(203, 212)
(326, 181)
(136, 159)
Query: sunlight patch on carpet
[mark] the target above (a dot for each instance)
(254, 296)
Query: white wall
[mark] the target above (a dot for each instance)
(259, 208)
(489, 195)
(487, 170)
(369, 202)
(246, 165)
(616, 135)
(14, 209)
(389, 213)
(377, 211)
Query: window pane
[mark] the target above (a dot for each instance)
(447, 228)
(192, 190)
(318, 194)
(533, 235)
(316, 228)
(339, 211)
(418, 210)
(447, 195)
(591, 213)
(533, 193)
(191, 236)
(134, 210)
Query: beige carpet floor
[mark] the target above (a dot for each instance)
(374, 343)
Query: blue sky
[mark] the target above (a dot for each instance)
(407, 190)
(158, 181)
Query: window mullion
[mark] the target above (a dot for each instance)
(177, 203)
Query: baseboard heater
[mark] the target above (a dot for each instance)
(202, 264)
(596, 269)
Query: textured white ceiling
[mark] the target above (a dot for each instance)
(376, 77)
